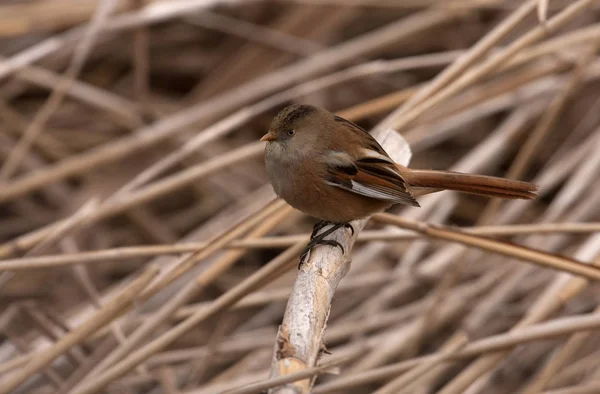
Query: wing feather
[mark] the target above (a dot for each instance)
(369, 176)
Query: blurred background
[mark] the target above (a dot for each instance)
(129, 138)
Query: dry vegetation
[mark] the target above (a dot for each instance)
(142, 250)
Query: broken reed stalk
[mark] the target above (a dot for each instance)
(299, 343)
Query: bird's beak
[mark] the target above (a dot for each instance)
(268, 137)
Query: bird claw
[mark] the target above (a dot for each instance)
(348, 225)
(317, 227)
(303, 257)
(320, 238)
(311, 245)
(331, 242)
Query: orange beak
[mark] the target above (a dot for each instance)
(268, 137)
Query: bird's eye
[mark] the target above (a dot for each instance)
(291, 132)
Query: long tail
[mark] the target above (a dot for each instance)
(432, 181)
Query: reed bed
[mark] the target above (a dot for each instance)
(143, 251)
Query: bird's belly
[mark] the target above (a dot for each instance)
(337, 205)
(307, 192)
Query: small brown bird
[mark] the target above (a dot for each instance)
(332, 169)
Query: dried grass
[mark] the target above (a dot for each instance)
(142, 250)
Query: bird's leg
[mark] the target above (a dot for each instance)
(320, 238)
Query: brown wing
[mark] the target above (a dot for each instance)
(371, 172)
(368, 176)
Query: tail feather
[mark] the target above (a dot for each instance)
(467, 183)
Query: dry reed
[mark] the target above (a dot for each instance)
(142, 250)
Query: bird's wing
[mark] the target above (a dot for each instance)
(371, 174)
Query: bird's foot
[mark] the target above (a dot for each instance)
(319, 239)
(318, 227)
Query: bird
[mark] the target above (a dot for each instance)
(335, 171)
